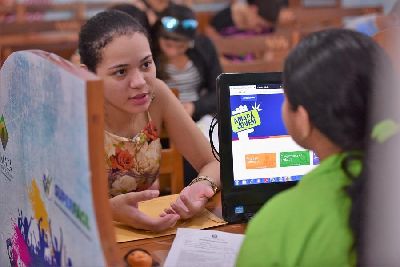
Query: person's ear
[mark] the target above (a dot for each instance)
(303, 124)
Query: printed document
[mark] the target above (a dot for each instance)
(208, 248)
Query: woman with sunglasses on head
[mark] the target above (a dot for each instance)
(186, 60)
(116, 48)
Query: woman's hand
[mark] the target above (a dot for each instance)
(191, 200)
(124, 209)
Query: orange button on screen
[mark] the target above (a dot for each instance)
(260, 161)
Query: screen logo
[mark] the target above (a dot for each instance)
(244, 119)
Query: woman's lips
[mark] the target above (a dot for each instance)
(139, 99)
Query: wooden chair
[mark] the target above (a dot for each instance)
(204, 18)
(13, 28)
(324, 16)
(171, 167)
(254, 66)
(78, 10)
(267, 56)
(237, 45)
(60, 43)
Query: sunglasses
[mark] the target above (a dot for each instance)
(171, 23)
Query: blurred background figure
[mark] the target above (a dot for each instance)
(186, 60)
(6, 4)
(254, 16)
(153, 8)
(373, 23)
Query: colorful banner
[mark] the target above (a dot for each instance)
(47, 215)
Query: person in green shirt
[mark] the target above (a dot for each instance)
(328, 80)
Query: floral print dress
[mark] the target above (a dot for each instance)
(132, 163)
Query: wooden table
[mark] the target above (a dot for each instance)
(160, 246)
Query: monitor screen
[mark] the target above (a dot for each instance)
(262, 150)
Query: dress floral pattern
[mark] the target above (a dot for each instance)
(132, 163)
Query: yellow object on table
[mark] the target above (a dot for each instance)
(155, 207)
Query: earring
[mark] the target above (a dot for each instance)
(153, 96)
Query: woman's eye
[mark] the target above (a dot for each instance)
(147, 64)
(120, 73)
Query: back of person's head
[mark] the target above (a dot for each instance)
(177, 22)
(332, 75)
(100, 30)
(133, 11)
(267, 9)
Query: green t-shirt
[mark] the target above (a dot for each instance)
(307, 225)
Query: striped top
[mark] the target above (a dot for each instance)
(186, 80)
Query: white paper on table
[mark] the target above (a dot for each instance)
(208, 248)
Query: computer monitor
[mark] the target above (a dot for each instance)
(258, 157)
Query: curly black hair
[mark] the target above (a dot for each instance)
(100, 30)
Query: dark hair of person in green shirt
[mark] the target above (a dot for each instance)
(329, 81)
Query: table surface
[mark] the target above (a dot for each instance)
(160, 246)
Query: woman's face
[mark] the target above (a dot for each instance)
(172, 48)
(128, 71)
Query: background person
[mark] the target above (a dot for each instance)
(374, 23)
(251, 17)
(186, 60)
